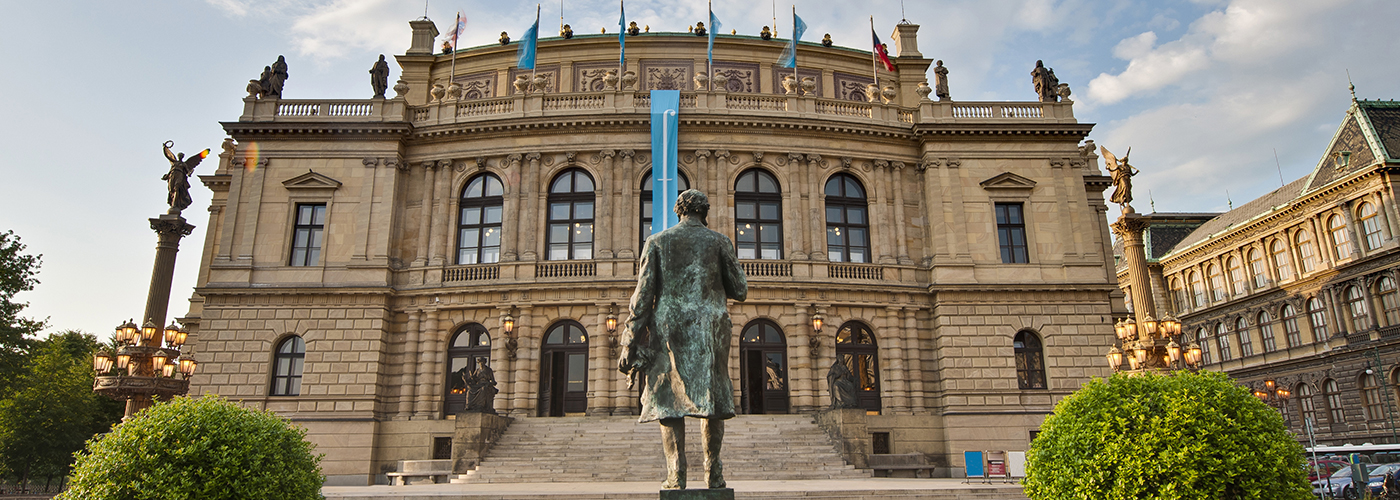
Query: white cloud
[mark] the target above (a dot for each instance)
(1135, 47)
(236, 8)
(344, 26)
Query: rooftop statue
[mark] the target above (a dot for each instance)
(279, 77)
(505, 38)
(566, 32)
(1122, 174)
(765, 34)
(940, 78)
(265, 82)
(177, 180)
(679, 334)
(826, 40)
(632, 29)
(379, 77)
(1046, 84)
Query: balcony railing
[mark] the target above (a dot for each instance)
(471, 273)
(566, 270)
(775, 269)
(855, 272)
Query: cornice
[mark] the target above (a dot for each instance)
(642, 122)
(1075, 130)
(241, 130)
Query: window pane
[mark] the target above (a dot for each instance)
(318, 215)
(561, 184)
(768, 211)
(577, 335)
(492, 236)
(857, 237)
(490, 255)
(582, 183)
(766, 183)
(853, 189)
(301, 238)
(556, 336)
(475, 187)
(747, 182)
(583, 210)
(470, 237)
(493, 186)
(858, 255)
(833, 215)
(316, 238)
(855, 215)
(493, 215)
(583, 251)
(304, 214)
(744, 210)
(835, 256)
(559, 252)
(558, 211)
(466, 256)
(313, 256)
(747, 251)
(833, 187)
(578, 372)
(558, 233)
(772, 252)
(769, 232)
(471, 215)
(746, 233)
(583, 232)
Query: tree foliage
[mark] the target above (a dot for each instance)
(52, 410)
(1186, 436)
(206, 448)
(17, 274)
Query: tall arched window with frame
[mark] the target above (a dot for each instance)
(1307, 256)
(644, 225)
(1203, 339)
(1317, 319)
(847, 220)
(1370, 224)
(570, 235)
(1307, 408)
(1222, 337)
(1257, 272)
(1371, 396)
(1198, 289)
(1246, 344)
(1266, 331)
(287, 363)
(468, 353)
(1290, 325)
(1217, 282)
(1356, 305)
(1332, 394)
(1341, 237)
(856, 348)
(1237, 285)
(1030, 360)
(1282, 261)
(758, 215)
(479, 220)
(1178, 295)
(1390, 302)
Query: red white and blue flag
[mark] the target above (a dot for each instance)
(457, 29)
(879, 50)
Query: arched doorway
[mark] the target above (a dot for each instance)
(763, 369)
(855, 346)
(470, 345)
(564, 371)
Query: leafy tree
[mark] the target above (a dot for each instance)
(206, 448)
(1186, 436)
(17, 271)
(52, 410)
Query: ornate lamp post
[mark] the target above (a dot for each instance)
(142, 369)
(1273, 394)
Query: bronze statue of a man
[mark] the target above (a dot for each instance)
(678, 337)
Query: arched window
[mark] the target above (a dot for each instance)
(758, 216)
(287, 364)
(1198, 290)
(855, 347)
(1333, 396)
(1306, 255)
(1371, 396)
(1179, 295)
(1282, 260)
(470, 349)
(646, 212)
(1341, 240)
(1236, 276)
(1266, 331)
(763, 368)
(1306, 407)
(1290, 325)
(1256, 269)
(1246, 344)
(1222, 337)
(1217, 282)
(564, 370)
(1317, 315)
(847, 224)
(1385, 288)
(1370, 224)
(1203, 339)
(1356, 305)
(570, 234)
(1030, 361)
(479, 221)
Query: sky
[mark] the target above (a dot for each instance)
(1219, 99)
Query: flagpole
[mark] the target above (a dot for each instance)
(456, 32)
(874, 72)
(795, 79)
(561, 17)
(709, 54)
(537, 45)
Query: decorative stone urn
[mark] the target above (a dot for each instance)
(522, 84)
(541, 83)
(454, 91)
(400, 89)
(923, 90)
(809, 85)
(610, 80)
(872, 92)
(790, 85)
(701, 81)
(629, 80)
(888, 94)
(721, 81)
(437, 92)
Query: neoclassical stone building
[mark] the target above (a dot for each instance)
(1298, 287)
(362, 253)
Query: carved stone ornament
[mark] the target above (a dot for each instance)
(721, 81)
(872, 92)
(790, 85)
(481, 163)
(541, 83)
(610, 80)
(923, 90)
(522, 84)
(846, 163)
(454, 91)
(888, 94)
(400, 89)
(809, 85)
(370, 162)
(758, 157)
(629, 80)
(254, 88)
(702, 82)
(437, 92)
(850, 87)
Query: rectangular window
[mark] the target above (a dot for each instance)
(307, 235)
(1011, 233)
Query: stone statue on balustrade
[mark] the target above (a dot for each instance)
(264, 82)
(177, 180)
(678, 337)
(940, 80)
(1047, 85)
(1122, 174)
(481, 389)
(277, 79)
(843, 386)
(379, 77)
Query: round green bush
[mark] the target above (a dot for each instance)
(206, 448)
(1185, 436)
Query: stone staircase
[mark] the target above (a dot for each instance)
(618, 449)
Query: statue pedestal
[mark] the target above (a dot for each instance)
(698, 494)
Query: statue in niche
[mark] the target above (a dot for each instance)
(379, 77)
(679, 334)
(278, 78)
(940, 79)
(177, 180)
(1122, 174)
(843, 386)
(481, 389)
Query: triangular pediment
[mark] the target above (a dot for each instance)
(1008, 180)
(311, 180)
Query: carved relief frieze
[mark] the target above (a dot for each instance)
(667, 74)
(743, 77)
(550, 73)
(851, 87)
(477, 85)
(588, 77)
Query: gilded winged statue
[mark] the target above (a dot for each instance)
(1122, 174)
(177, 180)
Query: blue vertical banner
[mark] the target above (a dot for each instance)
(665, 105)
(622, 36)
(525, 54)
(789, 57)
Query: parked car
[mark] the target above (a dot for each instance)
(1376, 477)
(1323, 467)
(1333, 486)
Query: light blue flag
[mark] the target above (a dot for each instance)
(665, 104)
(714, 28)
(789, 57)
(622, 35)
(525, 55)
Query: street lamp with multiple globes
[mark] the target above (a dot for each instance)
(1152, 346)
(1273, 394)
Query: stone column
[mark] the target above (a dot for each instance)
(935, 242)
(626, 221)
(438, 236)
(599, 402)
(716, 190)
(425, 214)
(702, 166)
(914, 353)
(880, 219)
(792, 203)
(169, 229)
(525, 357)
(900, 238)
(511, 179)
(611, 220)
(529, 227)
(362, 210)
(408, 372)
(500, 357)
(799, 366)
(422, 406)
(815, 214)
(1129, 229)
(894, 329)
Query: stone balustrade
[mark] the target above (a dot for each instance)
(625, 269)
